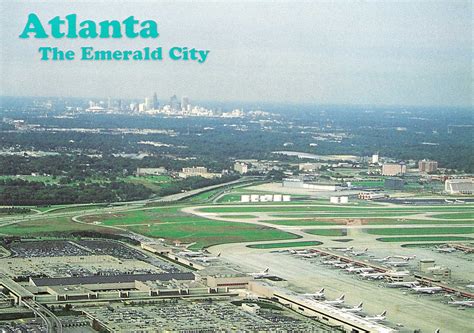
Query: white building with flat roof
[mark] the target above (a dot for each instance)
(459, 186)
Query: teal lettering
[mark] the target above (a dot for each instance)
(88, 29)
(33, 26)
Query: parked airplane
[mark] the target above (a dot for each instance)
(307, 255)
(446, 249)
(191, 254)
(355, 309)
(342, 265)
(405, 257)
(381, 259)
(459, 201)
(330, 262)
(427, 290)
(359, 253)
(372, 276)
(448, 201)
(317, 295)
(397, 263)
(359, 269)
(298, 251)
(462, 303)
(402, 284)
(260, 275)
(343, 249)
(337, 301)
(379, 317)
(208, 259)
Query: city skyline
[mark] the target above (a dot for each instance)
(413, 54)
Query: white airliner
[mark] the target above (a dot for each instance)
(359, 253)
(343, 249)
(427, 290)
(191, 254)
(446, 249)
(462, 303)
(208, 259)
(397, 263)
(381, 259)
(342, 265)
(355, 309)
(298, 251)
(459, 201)
(261, 274)
(359, 269)
(402, 284)
(372, 276)
(337, 301)
(405, 257)
(307, 254)
(330, 262)
(448, 201)
(317, 295)
(379, 317)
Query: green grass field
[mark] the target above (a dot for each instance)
(345, 215)
(172, 224)
(302, 222)
(411, 221)
(66, 209)
(327, 232)
(425, 239)
(204, 196)
(421, 231)
(284, 245)
(48, 227)
(229, 198)
(154, 183)
(368, 183)
(207, 233)
(239, 216)
(467, 215)
(298, 207)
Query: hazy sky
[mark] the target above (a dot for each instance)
(338, 52)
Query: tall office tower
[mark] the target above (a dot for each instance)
(427, 166)
(174, 103)
(148, 104)
(184, 103)
(155, 101)
(375, 158)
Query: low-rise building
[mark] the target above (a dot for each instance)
(371, 195)
(197, 172)
(150, 171)
(241, 168)
(339, 200)
(459, 186)
(394, 169)
(309, 167)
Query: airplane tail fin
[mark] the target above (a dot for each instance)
(266, 270)
(383, 314)
(341, 298)
(366, 249)
(219, 254)
(437, 331)
(321, 291)
(360, 305)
